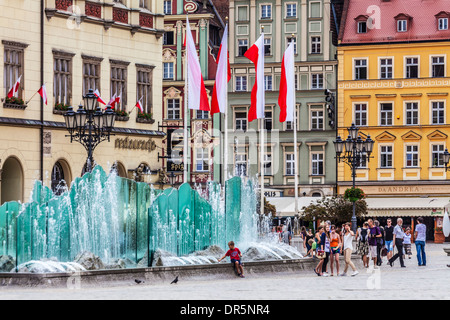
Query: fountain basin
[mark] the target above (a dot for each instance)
(160, 275)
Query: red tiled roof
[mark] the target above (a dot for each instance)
(422, 23)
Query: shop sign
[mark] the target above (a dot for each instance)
(134, 144)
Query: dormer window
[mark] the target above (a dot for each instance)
(402, 25)
(442, 20)
(443, 24)
(403, 22)
(361, 23)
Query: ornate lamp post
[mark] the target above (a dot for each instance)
(352, 151)
(446, 159)
(89, 125)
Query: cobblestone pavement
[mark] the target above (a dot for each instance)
(412, 282)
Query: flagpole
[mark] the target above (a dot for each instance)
(186, 96)
(295, 146)
(261, 159)
(225, 147)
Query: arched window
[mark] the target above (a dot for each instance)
(58, 179)
(11, 181)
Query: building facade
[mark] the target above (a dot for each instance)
(207, 25)
(307, 23)
(393, 84)
(73, 46)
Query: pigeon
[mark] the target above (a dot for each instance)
(175, 280)
(138, 281)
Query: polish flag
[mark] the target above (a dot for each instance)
(115, 99)
(286, 99)
(99, 99)
(223, 76)
(139, 105)
(197, 97)
(258, 100)
(43, 92)
(15, 88)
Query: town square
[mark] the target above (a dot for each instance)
(224, 150)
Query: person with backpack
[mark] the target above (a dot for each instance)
(362, 236)
(374, 234)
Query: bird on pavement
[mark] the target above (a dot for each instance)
(175, 280)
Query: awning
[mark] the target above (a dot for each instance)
(286, 205)
(407, 206)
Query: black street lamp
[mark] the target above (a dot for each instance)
(352, 151)
(172, 178)
(89, 125)
(446, 159)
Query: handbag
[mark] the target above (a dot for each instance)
(384, 252)
(321, 254)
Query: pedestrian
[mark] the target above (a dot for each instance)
(325, 246)
(335, 249)
(407, 242)
(304, 241)
(235, 257)
(312, 250)
(362, 243)
(374, 234)
(309, 236)
(389, 238)
(380, 242)
(286, 236)
(421, 236)
(320, 253)
(398, 241)
(347, 240)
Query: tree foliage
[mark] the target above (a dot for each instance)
(335, 209)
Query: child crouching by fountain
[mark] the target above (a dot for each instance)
(235, 257)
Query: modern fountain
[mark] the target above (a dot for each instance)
(114, 218)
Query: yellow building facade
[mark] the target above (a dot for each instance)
(73, 46)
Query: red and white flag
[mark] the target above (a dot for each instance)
(197, 97)
(223, 76)
(139, 105)
(43, 92)
(286, 99)
(114, 100)
(258, 99)
(15, 88)
(99, 99)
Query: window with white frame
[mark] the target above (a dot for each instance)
(167, 6)
(412, 67)
(386, 68)
(266, 11)
(268, 122)
(242, 47)
(200, 114)
(362, 161)
(290, 124)
(240, 121)
(168, 71)
(241, 83)
(360, 69)
(361, 114)
(317, 164)
(438, 67)
(362, 27)
(294, 40)
(443, 24)
(437, 112)
(202, 159)
(412, 113)
(268, 83)
(386, 114)
(267, 164)
(240, 164)
(385, 156)
(173, 109)
(412, 156)
(267, 46)
(437, 155)
(290, 164)
(291, 10)
(316, 119)
(402, 25)
(317, 81)
(315, 45)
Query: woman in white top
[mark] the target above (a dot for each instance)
(347, 239)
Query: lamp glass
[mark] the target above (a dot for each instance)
(90, 101)
(80, 117)
(353, 131)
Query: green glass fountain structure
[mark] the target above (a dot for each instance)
(118, 218)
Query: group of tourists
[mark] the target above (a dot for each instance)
(373, 242)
